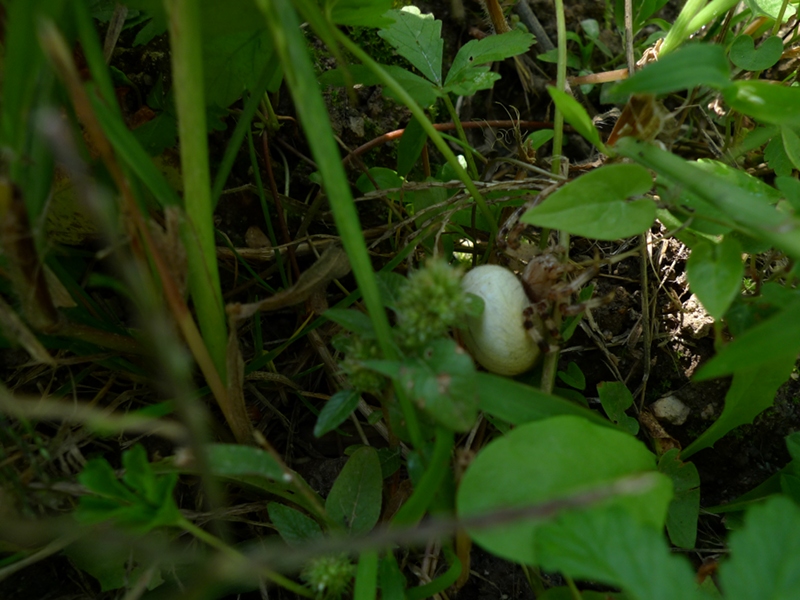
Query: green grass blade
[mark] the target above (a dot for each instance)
(198, 235)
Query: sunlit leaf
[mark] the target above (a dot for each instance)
(595, 205)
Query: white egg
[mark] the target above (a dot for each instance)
(498, 339)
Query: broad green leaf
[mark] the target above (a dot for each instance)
(774, 339)
(99, 478)
(386, 179)
(358, 13)
(685, 506)
(791, 145)
(642, 11)
(233, 63)
(550, 459)
(767, 102)
(253, 467)
(770, 8)
(537, 139)
(616, 399)
(715, 274)
(442, 383)
(230, 460)
(410, 147)
(752, 391)
(481, 78)
(355, 499)
(594, 205)
(745, 55)
(391, 580)
(776, 157)
(117, 565)
(764, 554)
(336, 410)
(708, 218)
(468, 63)
(352, 320)
(293, 526)
(422, 90)
(418, 38)
(143, 502)
(747, 209)
(790, 188)
(615, 549)
(576, 115)
(159, 134)
(517, 403)
(686, 68)
(573, 377)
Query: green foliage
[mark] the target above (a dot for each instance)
(764, 553)
(335, 411)
(595, 205)
(607, 503)
(576, 115)
(715, 274)
(616, 399)
(355, 499)
(140, 501)
(685, 506)
(549, 460)
(417, 38)
(615, 548)
(441, 382)
(746, 56)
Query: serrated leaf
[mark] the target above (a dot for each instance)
(441, 383)
(774, 339)
(685, 506)
(293, 526)
(594, 205)
(616, 399)
(576, 115)
(541, 461)
(691, 66)
(234, 62)
(714, 272)
(764, 554)
(752, 391)
(617, 550)
(336, 410)
(355, 499)
(144, 503)
(466, 72)
(776, 157)
(745, 55)
(418, 38)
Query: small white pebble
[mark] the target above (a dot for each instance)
(671, 409)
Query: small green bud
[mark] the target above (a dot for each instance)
(329, 577)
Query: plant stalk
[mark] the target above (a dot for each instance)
(198, 233)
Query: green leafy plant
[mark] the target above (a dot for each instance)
(538, 479)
